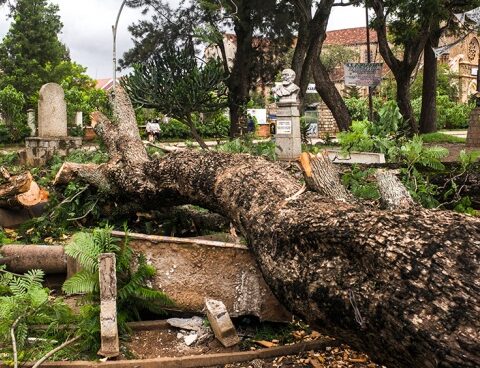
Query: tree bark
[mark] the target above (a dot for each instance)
(330, 95)
(404, 101)
(306, 59)
(402, 286)
(240, 78)
(322, 177)
(428, 115)
(393, 193)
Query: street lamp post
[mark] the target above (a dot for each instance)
(114, 31)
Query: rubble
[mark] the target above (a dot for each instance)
(221, 323)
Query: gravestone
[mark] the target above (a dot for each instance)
(31, 122)
(52, 111)
(52, 128)
(79, 119)
(473, 134)
(288, 137)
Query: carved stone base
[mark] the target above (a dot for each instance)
(40, 149)
(288, 138)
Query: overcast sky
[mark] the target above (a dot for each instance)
(88, 24)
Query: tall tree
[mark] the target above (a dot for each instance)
(443, 23)
(306, 58)
(172, 82)
(262, 32)
(30, 46)
(410, 24)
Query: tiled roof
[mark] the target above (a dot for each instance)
(350, 36)
(104, 84)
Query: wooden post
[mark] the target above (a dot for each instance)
(108, 306)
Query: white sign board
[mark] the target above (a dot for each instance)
(284, 127)
(259, 114)
(311, 88)
(363, 74)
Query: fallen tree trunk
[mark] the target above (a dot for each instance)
(402, 286)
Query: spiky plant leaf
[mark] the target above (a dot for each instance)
(82, 282)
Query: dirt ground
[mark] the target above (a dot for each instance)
(165, 343)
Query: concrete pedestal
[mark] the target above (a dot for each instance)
(288, 138)
(38, 150)
(473, 134)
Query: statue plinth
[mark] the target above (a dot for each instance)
(288, 138)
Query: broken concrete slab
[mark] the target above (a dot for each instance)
(190, 339)
(338, 157)
(190, 270)
(221, 323)
(192, 324)
(108, 306)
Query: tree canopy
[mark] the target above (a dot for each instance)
(31, 47)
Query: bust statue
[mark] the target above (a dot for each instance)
(287, 91)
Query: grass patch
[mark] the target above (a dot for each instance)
(442, 138)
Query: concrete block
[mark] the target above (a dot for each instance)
(356, 157)
(108, 306)
(221, 323)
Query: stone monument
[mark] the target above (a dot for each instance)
(52, 128)
(288, 138)
(31, 122)
(473, 134)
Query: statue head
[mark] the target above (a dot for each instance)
(288, 76)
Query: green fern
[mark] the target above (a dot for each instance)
(133, 292)
(82, 282)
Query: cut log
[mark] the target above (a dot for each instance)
(21, 191)
(400, 285)
(16, 185)
(393, 193)
(322, 177)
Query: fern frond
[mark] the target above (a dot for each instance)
(85, 250)
(82, 282)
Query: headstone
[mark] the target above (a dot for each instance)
(52, 111)
(79, 119)
(473, 133)
(221, 323)
(31, 122)
(288, 138)
(108, 306)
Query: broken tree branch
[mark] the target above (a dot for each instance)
(322, 177)
(393, 193)
(53, 351)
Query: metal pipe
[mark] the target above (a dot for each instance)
(114, 31)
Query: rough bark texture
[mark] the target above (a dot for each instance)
(311, 35)
(393, 193)
(322, 177)
(428, 114)
(402, 286)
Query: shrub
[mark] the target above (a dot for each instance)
(357, 107)
(450, 115)
(12, 103)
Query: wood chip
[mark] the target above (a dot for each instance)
(265, 344)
